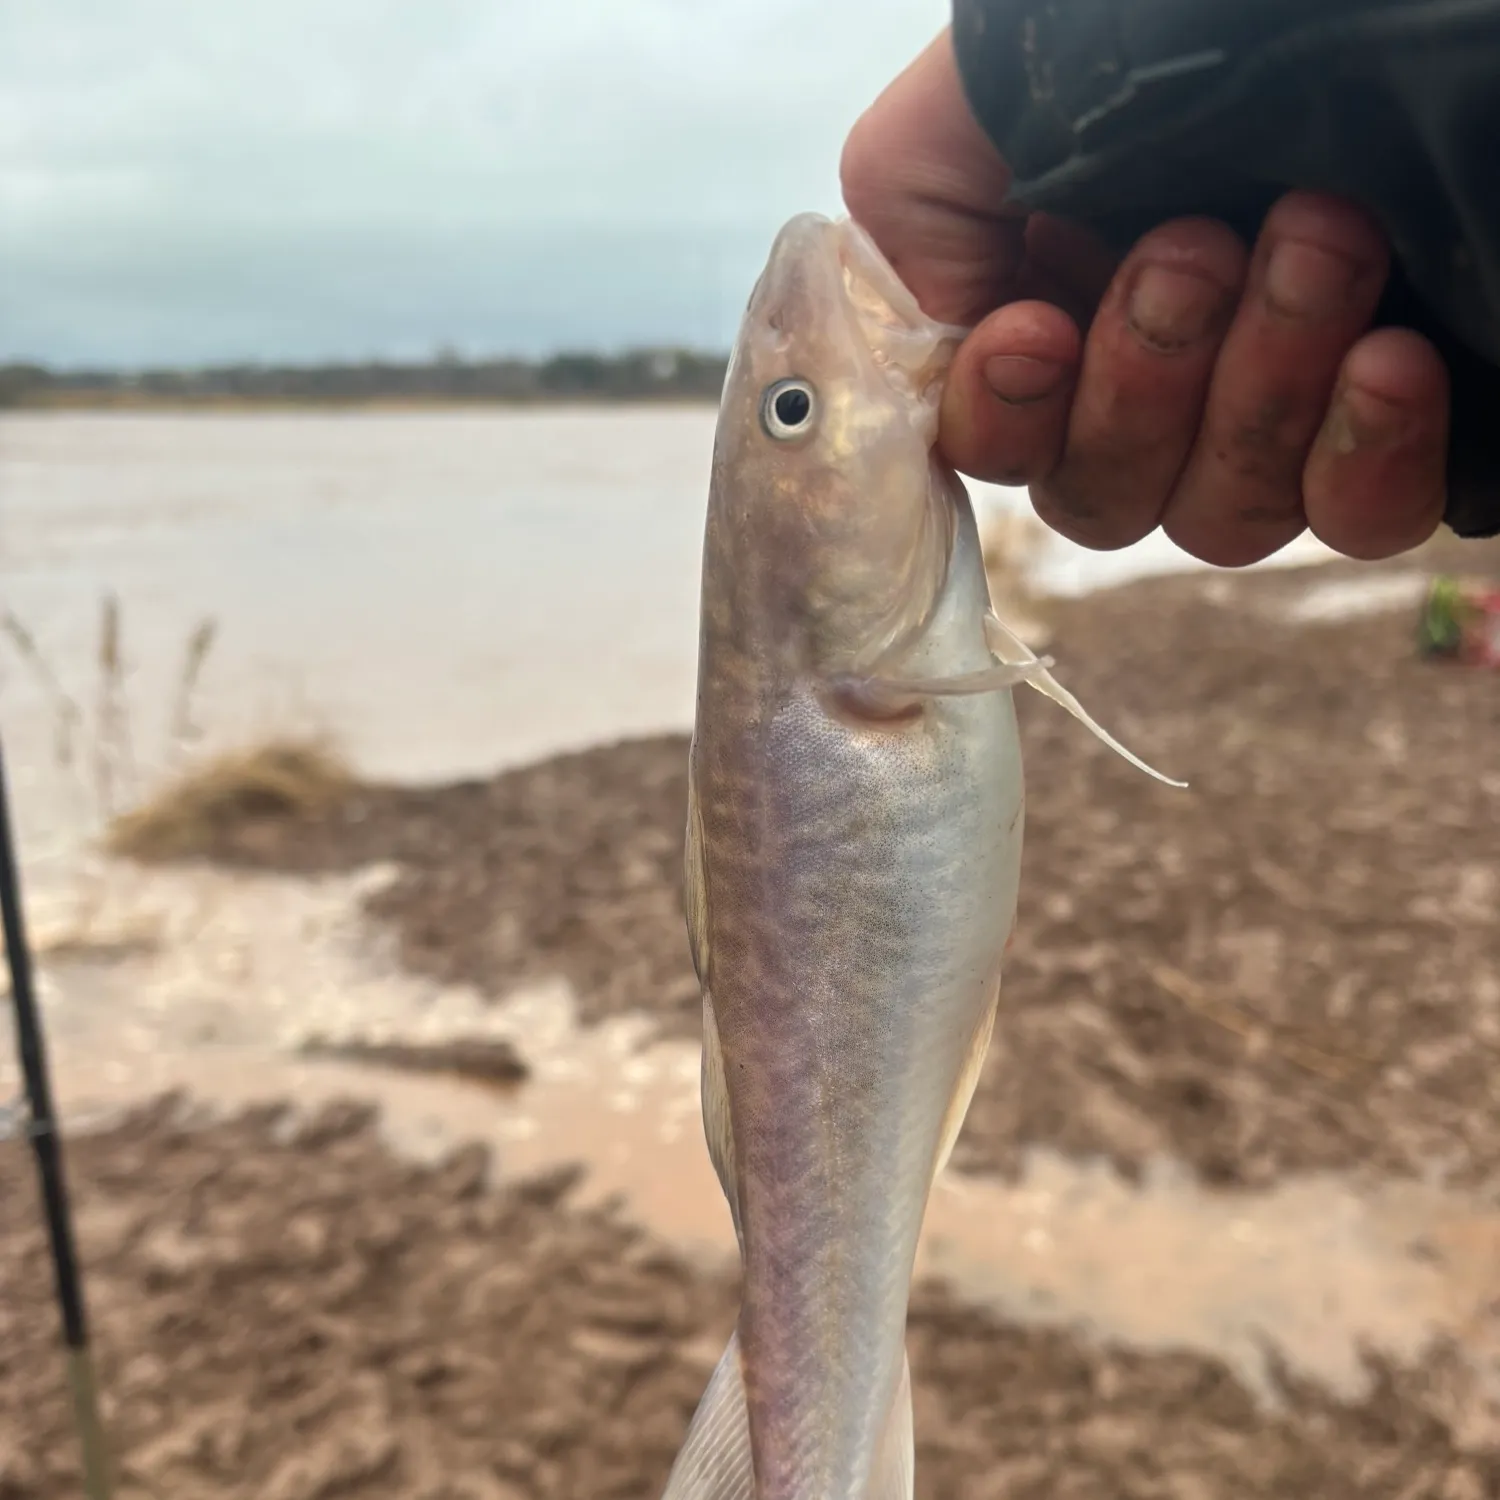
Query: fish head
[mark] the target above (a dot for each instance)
(832, 513)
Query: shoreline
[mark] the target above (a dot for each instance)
(84, 405)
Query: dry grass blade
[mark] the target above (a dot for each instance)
(113, 753)
(1222, 1013)
(490, 1061)
(195, 812)
(69, 717)
(182, 728)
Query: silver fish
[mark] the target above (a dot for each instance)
(853, 855)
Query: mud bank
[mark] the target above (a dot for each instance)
(1225, 1222)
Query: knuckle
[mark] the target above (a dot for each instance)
(1267, 445)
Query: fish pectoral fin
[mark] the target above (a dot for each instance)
(892, 694)
(893, 1475)
(714, 1462)
(1017, 655)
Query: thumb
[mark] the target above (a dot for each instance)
(927, 184)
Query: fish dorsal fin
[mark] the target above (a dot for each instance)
(695, 882)
(714, 1090)
(718, 1130)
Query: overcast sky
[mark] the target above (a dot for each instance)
(198, 180)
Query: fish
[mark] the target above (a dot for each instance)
(852, 858)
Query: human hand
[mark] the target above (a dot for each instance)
(1232, 395)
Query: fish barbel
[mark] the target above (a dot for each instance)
(853, 855)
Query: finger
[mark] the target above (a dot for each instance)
(1005, 404)
(1315, 279)
(1066, 264)
(927, 184)
(1374, 482)
(1146, 369)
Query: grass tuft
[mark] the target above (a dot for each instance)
(201, 807)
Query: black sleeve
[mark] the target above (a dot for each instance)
(1125, 113)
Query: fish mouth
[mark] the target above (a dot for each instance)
(870, 280)
(829, 293)
(910, 348)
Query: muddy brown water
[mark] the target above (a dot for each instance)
(233, 974)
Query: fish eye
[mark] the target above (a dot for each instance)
(787, 409)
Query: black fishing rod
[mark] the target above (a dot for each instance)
(42, 1129)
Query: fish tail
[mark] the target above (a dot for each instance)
(715, 1462)
(893, 1474)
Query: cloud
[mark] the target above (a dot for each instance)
(182, 181)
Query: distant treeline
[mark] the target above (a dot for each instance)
(638, 375)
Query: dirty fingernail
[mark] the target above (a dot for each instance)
(1361, 419)
(1304, 280)
(1020, 380)
(1173, 309)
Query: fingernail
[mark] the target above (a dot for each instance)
(1361, 419)
(1173, 309)
(1304, 280)
(1020, 380)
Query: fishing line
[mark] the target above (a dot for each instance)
(38, 1123)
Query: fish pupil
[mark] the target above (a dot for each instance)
(793, 406)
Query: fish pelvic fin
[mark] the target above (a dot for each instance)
(1017, 655)
(968, 1081)
(715, 1462)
